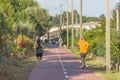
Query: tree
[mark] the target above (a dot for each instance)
(102, 21)
(21, 16)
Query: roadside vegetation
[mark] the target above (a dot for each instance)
(16, 68)
(20, 22)
(98, 66)
(96, 50)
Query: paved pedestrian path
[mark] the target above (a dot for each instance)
(59, 64)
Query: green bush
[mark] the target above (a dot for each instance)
(96, 40)
(22, 50)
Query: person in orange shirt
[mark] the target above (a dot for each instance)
(83, 46)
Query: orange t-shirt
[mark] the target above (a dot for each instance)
(83, 45)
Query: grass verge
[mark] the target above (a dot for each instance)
(98, 67)
(15, 68)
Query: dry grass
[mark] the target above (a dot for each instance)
(16, 69)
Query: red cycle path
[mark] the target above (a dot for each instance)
(59, 64)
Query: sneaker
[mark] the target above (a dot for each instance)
(83, 67)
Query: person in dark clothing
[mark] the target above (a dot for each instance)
(39, 51)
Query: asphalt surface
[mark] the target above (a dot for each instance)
(60, 64)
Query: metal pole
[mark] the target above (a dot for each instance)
(67, 24)
(72, 25)
(108, 35)
(48, 35)
(117, 17)
(80, 19)
(48, 29)
(60, 19)
(76, 25)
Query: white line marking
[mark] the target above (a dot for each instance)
(64, 69)
(65, 73)
(66, 76)
(62, 65)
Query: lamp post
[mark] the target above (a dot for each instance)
(67, 22)
(76, 25)
(80, 19)
(60, 19)
(72, 25)
(108, 35)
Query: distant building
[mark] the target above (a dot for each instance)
(90, 25)
(54, 31)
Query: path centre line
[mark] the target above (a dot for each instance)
(62, 65)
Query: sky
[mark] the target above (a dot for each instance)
(91, 8)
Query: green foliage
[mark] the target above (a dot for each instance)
(40, 19)
(13, 48)
(39, 29)
(102, 21)
(3, 25)
(115, 46)
(96, 39)
(114, 17)
(21, 17)
(115, 37)
(64, 38)
(115, 40)
(22, 50)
